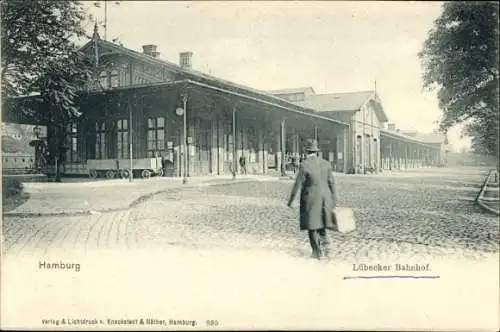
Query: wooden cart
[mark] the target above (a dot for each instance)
(111, 168)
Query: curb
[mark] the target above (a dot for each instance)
(136, 202)
(480, 197)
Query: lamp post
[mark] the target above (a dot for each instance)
(181, 111)
(98, 5)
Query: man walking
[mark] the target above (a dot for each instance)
(243, 164)
(318, 198)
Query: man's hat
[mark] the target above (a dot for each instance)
(311, 145)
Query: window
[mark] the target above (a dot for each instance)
(100, 140)
(156, 135)
(122, 144)
(115, 78)
(72, 139)
(103, 80)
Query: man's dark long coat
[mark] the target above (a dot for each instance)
(317, 195)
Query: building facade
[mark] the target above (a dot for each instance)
(142, 112)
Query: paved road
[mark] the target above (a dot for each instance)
(174, 261)
(429, 213)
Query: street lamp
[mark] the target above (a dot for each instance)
(181, 111)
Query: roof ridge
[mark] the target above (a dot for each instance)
(179, 68)
(297, 88)
(341, 93)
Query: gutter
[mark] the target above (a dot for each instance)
(313, 115)
(408, 139)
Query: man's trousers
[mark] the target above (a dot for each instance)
(319, 242)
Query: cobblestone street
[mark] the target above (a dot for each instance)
(427, 214)
(233, 253)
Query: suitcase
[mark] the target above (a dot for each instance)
(344, 219)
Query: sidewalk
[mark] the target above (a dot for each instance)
(85, 196)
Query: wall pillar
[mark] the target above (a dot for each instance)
(341, 148)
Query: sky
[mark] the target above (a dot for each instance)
(332, 46)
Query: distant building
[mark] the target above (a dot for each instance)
(372, 143)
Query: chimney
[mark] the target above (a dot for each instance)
(150, 50)
(185, 59)
(391, 126)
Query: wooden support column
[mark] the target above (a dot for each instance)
(415, 157)
(390, 156)
(260, 150)
(130, 139)
(185, 150)
(406, 156)
(283, 147)
(214, 146)
(265, 152)
(400, 156)
(342, 156)
(235, 161)
(222, 148)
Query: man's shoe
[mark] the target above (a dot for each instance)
(316, 256)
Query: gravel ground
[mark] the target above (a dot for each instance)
(408, 216)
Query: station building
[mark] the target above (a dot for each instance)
(130, 116)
